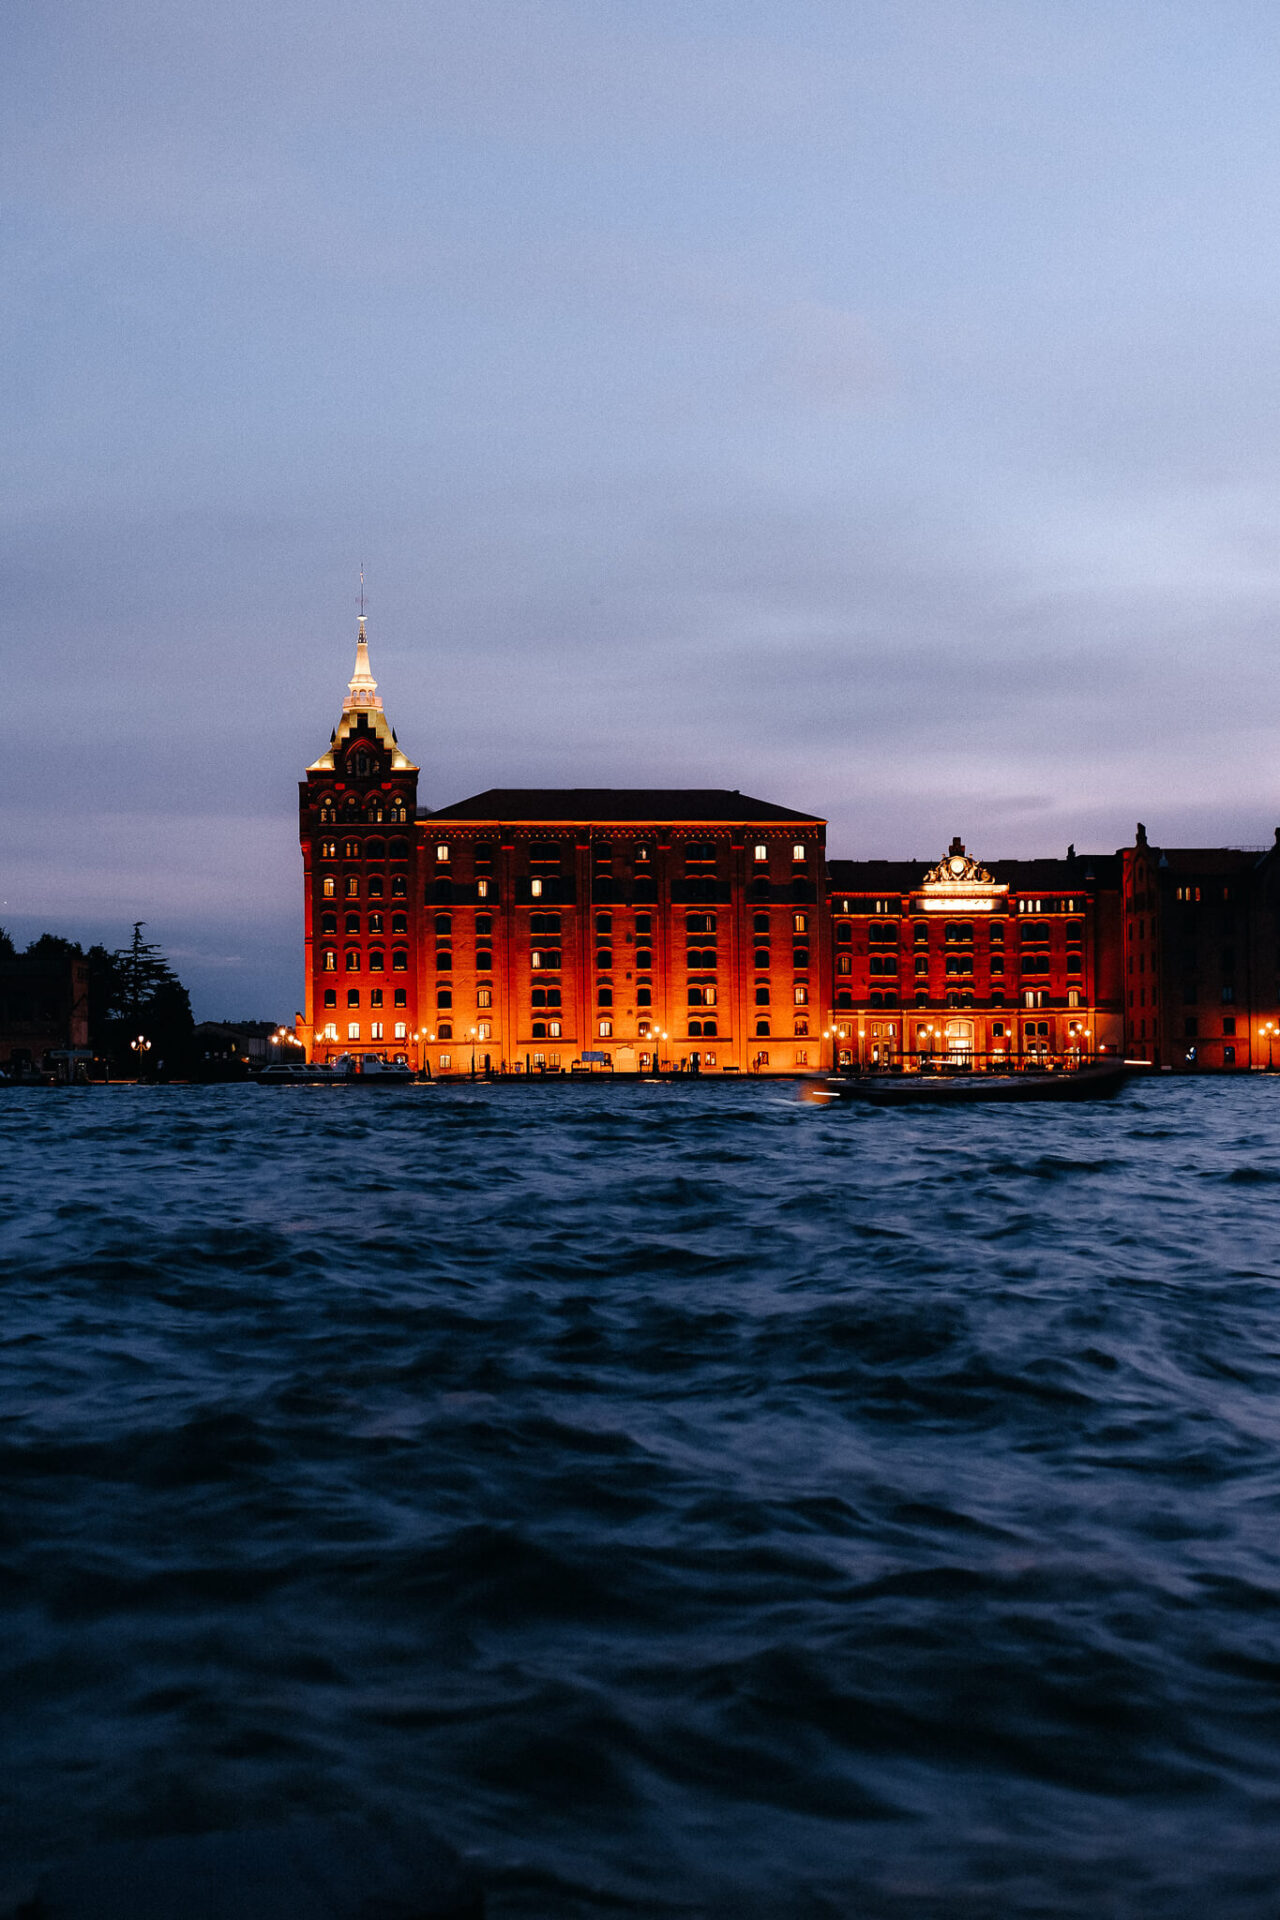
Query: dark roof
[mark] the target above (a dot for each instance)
(590, 804)
(1207, 859)
(903, 876)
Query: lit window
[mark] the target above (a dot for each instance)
(535, 888)
(484, 1029)
(606, 1029)
(761, 852)
(353, 962)
(353, 1029)
(353, 886)
(446, 1033)
(328, 961)
(484, 996)
(402, 1029)
(799, 850)
(482, 889)
(445, 1060)
(442, 851)
(800, 922)
(328, 886)
(801, 995)
(375, 1031)
(331, 1031)
(553, 1029)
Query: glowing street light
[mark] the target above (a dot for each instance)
(1269, 1028)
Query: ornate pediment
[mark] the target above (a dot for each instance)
(958, 884)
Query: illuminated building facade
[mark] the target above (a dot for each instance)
(538, 929)
(1019, 963)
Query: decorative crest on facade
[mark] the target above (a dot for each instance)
(959, 884)
(959, 869)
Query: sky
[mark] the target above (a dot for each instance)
(869, 406)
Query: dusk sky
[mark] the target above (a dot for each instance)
(872, 406)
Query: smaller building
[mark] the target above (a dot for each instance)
(44, 1006)
(1015, 964)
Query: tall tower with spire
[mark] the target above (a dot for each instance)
(357, 808)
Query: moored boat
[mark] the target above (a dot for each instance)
(1095, 1082)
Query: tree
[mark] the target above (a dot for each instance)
(135, 991)
(7, 949)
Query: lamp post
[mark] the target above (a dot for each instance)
(141, 1046)
(832, 1034)
(473, 1053)
(1269, 1029)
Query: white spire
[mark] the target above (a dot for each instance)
(362, 685)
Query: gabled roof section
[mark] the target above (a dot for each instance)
(587, 806)
(362, 712)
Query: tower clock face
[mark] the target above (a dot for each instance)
(956, 864)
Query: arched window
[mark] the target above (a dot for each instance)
(373, 810)
(351, 807)
(444, 996)
(484, 996)
(844, 999)
(604, 996)
(695, 1029)
(329, 923)
(352, 923)
(375, 849)
(801, 994)
(375, 923)
(353, 960)
(328, 886)
(399, 849)
(397, 811)
(762, 996)
(398, 923)
(328, 812)
(376, 960)
(604, 958)
(328, 961)
(762, 1029)
(375, 886)
(844, 963)
(399, 961)
(844, 933)
(352, 887)
(644, 996)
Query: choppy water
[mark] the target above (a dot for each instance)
(691, 1500)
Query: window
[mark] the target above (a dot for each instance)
(644, 925)
(482, 889)
(399, 961)
(484, 925)
(353, 996)
(545, 959)
(444, 959)
(644, 994)
(802, 1028)
(604, 925)
(539, 1031)
(762, 996)
(398, 924)
(762, 1033)
(446, 1060)
(1191, 1028)
(801, 994)
(605, 1029)
(352, 887)
(699, 923)
(844, 963)
(375, 849)
(544, 923)
(761, 957)
(375, 923)
(761, 851)
(701, 995)
(800, 957)
(328, 886)
(1229, 1025)
(546, 997)
(353, 1029)
(604, 996)
(353, 962)
(484, 958)
(604, 958)
(351, 849)
(484, 1029)
(375, 1031)
(484, 996)
(442, 852)
(553, 1029)
(535, 888)
(446, 1033)
(444, 996)
(997, 963)
(959, 932)
(376, 960)
(375, 997)
(375, 887)
(922, 963)
(760, 925)
(800, 923)
(1228, 1056)
(1228, 996)
(328, 961)
(799, 850)
(644, 956)
(329, 923)
(400, 997)
(331, 1031)
(444, 926)
(330, 997)
(696, 957)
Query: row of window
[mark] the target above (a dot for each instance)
(351, 924)
(955, 933)
(352, 961)
(365, 850)
(377, 808)
(375, 886)
(353, 997)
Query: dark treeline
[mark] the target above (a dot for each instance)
(133, 992)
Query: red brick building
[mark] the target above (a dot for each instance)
(1017, 963)
(528, 929)
(535, 929)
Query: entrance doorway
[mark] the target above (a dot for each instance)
(959, 1042)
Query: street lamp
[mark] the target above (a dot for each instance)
(473, 1053)
(1269, 1029)
(141, 1046)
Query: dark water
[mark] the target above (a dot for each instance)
(690, 1500)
